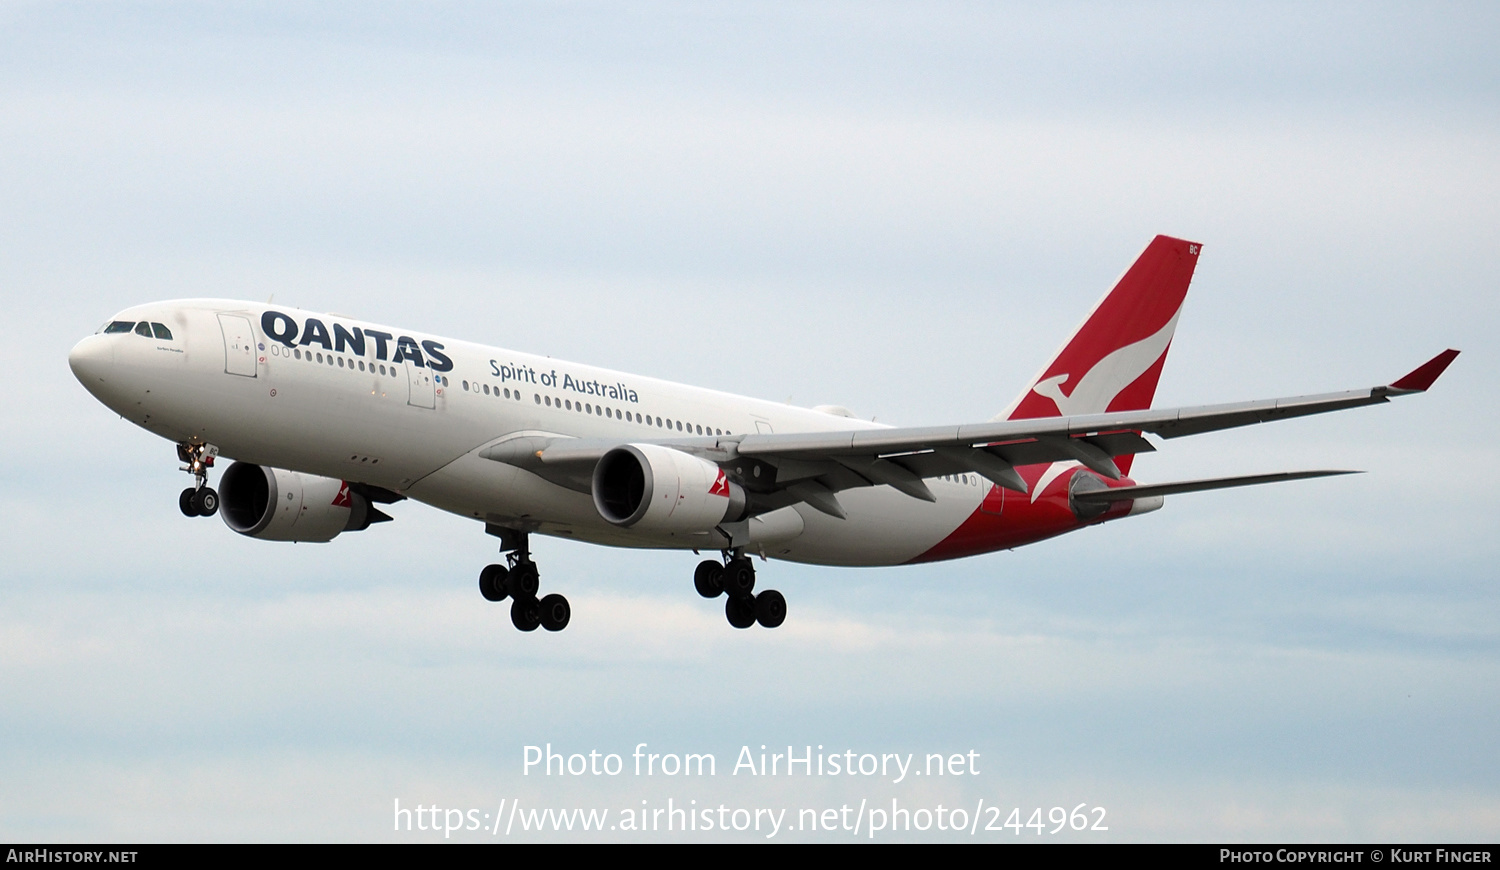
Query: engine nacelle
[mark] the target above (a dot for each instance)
(658, 489)
(1083, 481)
(278, 505)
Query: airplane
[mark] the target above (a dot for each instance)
(328, 419)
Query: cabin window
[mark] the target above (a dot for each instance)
(161, 331)
(143, 328)
(119, 326)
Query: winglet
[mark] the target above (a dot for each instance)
(1423, 375)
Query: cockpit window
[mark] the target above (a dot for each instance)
(119, 326)
(143, 328)
(161, 330)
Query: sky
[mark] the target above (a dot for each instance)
(897, 208)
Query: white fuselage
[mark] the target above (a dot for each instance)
(303, 395)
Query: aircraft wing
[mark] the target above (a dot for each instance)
(811, 466)
(992, 450)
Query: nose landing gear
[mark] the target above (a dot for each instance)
(200, 499)
(736, 579)
(200, 502)
(519, 580)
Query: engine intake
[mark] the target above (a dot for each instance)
(658, 489)
(278, 505)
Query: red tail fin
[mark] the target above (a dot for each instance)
(1113, 361)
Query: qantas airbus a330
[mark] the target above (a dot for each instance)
(329, 417)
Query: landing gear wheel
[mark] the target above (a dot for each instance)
(518, 580)
(492, 582)
(525, 614)
(709, 579)
(523, 581)
(739, 577)
(555, 612)
(770, 608)
(206, 502)
(740, 611)
(198, 500)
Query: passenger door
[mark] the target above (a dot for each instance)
(239, 345)
(423, 390)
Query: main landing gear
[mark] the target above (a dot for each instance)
(200, 499)
(519, 582)
(736, 579)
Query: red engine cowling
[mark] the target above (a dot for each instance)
(278, 505)
(658, 489)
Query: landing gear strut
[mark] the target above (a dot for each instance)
(736, 579)
(200, 499)
(518, 580)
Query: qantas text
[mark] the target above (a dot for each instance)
(341, 339)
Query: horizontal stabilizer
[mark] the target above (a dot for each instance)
(1127, 493)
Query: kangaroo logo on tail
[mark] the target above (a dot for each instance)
(1094, 392)
(1113, 360)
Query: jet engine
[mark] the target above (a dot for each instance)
(278, 505)
(658, 489)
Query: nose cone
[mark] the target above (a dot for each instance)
(91, 361)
